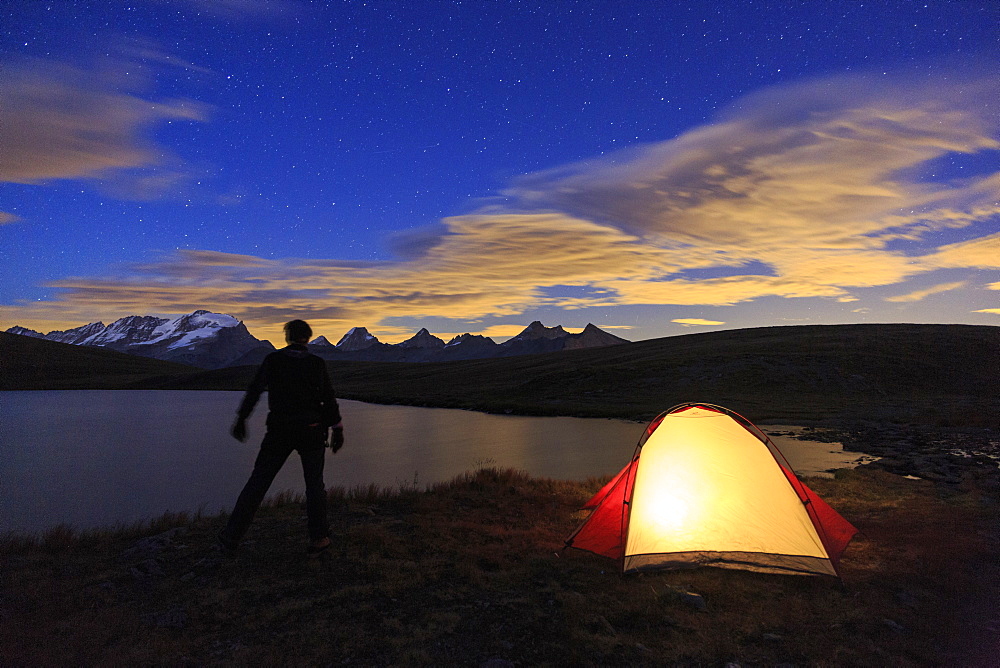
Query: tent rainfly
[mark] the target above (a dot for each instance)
(706, 487)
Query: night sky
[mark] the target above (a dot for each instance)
(655, 168)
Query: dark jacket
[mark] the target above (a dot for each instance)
(298, 390)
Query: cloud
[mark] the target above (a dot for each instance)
(988, 310)
(818, 183)
(696, 322)
(63, 122)
(981, 253)
(918, 295)
(6, 218)
(244, 10)
(502, 331)
(814, 165)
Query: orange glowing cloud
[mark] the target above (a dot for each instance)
(696, 322)
(63, 122)
(982, 253)
(917, 295)
(816, 165)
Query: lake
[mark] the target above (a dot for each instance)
(94, 458)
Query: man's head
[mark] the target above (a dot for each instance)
(298, 331)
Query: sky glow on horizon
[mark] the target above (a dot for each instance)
(653, 168)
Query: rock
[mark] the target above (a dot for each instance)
(496, 663)
(894, 626)
(695, 601)
(174, 618)
(147, 570)
(151, 546)
(601, 623)
(688, 597)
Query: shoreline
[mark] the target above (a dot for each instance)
(949, 456)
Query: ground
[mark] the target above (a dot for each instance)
(472, 573)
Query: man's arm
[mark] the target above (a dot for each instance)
(331, 411)
(257, 387)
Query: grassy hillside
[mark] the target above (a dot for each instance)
(936, 374)
(28, 363)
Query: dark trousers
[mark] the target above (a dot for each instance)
(278, 444)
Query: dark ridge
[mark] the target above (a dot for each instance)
(28, 363)
(931, 374)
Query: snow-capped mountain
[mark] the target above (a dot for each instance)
(24, 331)
(357, 338)
(202, 339)
(320, 341)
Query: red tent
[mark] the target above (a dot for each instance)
(706, 487)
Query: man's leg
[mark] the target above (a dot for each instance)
(269, 461)
(313, 459)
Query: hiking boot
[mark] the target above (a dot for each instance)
(319, 548)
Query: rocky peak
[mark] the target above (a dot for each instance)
(593, 337)
(470, 339)
(357, 338)
(77, 335)
(422, 339)
(537, 330)
(131, 329)
(320, 341)
(23, 331)
(202, 319)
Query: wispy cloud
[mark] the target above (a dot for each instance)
(981, 253)
(696, 322)
(918, 295)
(244, 10)
(64, 122)
(818, 183)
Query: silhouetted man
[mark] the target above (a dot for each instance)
(302, 409)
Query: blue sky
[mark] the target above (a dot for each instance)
(655, 168)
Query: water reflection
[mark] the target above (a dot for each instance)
(97, 458)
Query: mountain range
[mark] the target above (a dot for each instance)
(214, 340)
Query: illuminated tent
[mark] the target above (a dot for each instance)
(708, 488)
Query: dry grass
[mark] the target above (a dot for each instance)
(468, 571)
